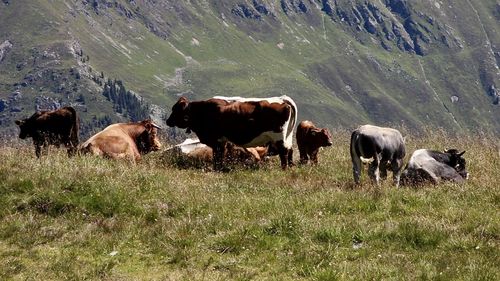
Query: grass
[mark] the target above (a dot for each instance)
(90, 218)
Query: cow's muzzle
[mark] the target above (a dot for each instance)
(156, 146)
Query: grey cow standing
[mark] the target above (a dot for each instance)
(383, 147)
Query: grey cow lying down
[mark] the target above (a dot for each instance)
(193, 153)
(429, 166)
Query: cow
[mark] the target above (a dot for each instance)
(57, 127)
(244, 122)
(385, 148)
(433, 166)
(194, 153)
(124, 140)
(310, 139)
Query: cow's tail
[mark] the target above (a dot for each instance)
(75, 127)
(292, 121)
(353, 146)
(355, 156)
(72, 142)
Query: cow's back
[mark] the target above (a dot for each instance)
(302, 131)
(372, 139)
(112, 141)
(279, 114)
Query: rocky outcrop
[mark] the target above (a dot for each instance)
(255, 11)
(494, 94)
(5, 47)
(293, 6)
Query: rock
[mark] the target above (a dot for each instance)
(3, 105)
(243, 11)
(5, 47)
(261, 7)
(16, 109)
(493, 92)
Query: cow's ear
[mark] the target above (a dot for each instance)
(148, 126)
(461, 153)
(19, 122)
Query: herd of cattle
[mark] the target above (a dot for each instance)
(246, 129)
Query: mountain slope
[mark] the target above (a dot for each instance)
(388, 62)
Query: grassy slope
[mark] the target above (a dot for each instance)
(65, 218)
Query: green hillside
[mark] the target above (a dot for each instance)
(389, 62)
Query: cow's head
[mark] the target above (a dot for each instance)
(457, 162)
(25, 128)
(148, 141)
(321, 137)
(180, 114)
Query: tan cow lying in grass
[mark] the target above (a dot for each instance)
(124, 140)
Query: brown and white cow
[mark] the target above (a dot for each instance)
(310, 139)
(244, 122)
(124, 140)
(192, 152)
(51, 128)
(384, 147)
(429, 166)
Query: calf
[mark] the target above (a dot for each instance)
(383, 146)
(310, 139)
(51, 128)
(429, 166)
(192, 151)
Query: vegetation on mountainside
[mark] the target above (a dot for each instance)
(89, 218)
(125, 102)
(344, 62)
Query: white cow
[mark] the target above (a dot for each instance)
(433, 166)
(383, 147)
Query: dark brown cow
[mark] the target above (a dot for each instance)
(244, 122)
(124, 140)
(51, 128)
(310, 139)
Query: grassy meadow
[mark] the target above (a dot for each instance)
(95, 219)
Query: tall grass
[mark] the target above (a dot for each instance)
(90, 218)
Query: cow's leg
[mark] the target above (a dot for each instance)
(374, 169)
(71, 146)
(355, 158)
(396, 166)
(38, 149)
(218, 156)
(290, 157)
(356, 168)
(45, 149)
(283, 153)
(304, 158)
(383, 170)
(314, 156)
